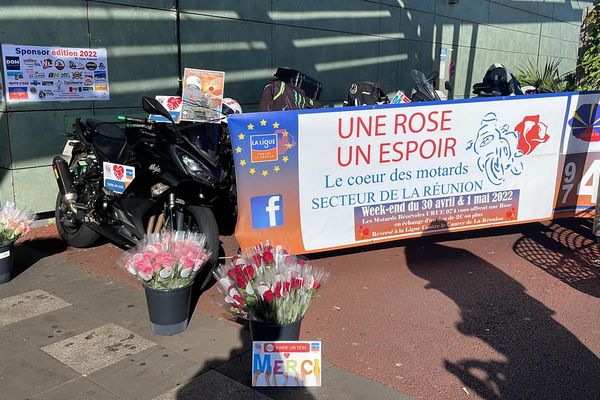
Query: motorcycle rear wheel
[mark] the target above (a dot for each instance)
(73, 232)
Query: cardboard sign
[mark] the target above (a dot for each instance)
(286, 364)
(202, 95)
(117, 177)
(172, 104)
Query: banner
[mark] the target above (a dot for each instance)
(315, 180)
(36, 73)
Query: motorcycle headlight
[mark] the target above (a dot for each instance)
(195, 168)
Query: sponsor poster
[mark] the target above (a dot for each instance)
(37, 73)
(315, 180)
(117, 177)
(286, 364)
(172, 104)
(202, 95)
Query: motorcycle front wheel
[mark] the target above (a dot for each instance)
(72, 231)
(207, 224)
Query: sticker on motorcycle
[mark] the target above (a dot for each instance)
(117, 177)
(68, 150)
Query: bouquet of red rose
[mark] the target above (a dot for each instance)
(267, 284)
(167, 260)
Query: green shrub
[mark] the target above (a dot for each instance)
(588, 64)
(547, 79)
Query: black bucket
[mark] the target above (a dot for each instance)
(168, 309)
(6, 256)
(269, 332)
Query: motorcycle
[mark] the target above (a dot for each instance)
(498, 81)
(424, 87)
(182, 179)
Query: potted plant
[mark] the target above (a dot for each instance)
(271, 289)
(13, 224)
(166, 264)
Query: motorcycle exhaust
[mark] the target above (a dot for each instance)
(65, 182)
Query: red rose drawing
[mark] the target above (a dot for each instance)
(119, 171)
(532, 133)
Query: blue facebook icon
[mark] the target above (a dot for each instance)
(267, 211)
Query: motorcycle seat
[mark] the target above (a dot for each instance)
(108, 140)
(107, 129)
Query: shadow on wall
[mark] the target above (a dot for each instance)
(336, 44)
(538, 357)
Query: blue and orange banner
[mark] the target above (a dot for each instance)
(316, 180)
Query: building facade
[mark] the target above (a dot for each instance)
(335, 41)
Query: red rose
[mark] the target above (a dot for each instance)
(238, 270)
(278, 289)
(316, 285)
(240, 281)
(249, 271)
(239, 299)
(268, 257)
(231, 274)
(296, 283)
(268, 296)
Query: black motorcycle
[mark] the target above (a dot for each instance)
(184, 178)
(498, 81)
(424, 89)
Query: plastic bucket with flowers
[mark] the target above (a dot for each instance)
(271, 289)
(13, 224)
(166, 264)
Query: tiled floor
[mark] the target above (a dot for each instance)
(85, 337)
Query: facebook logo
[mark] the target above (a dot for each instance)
(267, 211)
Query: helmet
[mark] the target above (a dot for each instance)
(193, 81)
(231, 106)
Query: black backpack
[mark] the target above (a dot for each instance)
(281, 96)
(366, 93)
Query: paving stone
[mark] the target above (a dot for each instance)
(208, 342)
(97, 348)
(77, 389)
(28, 305)
(12, 345)
(146, 374)
(56, 325)
(107, 300)
(47, 272)
(32, 373)
(212, 386)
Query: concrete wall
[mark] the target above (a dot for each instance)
(336, 41)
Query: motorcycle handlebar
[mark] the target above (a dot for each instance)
(132, 120)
